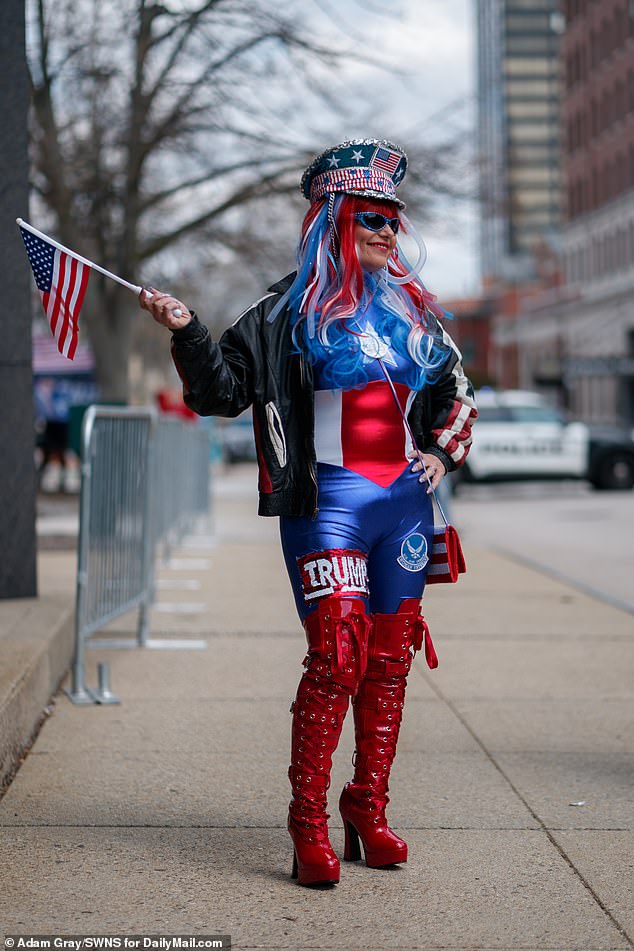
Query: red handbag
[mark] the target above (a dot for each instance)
(447, 560)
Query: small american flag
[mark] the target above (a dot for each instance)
(386, 160)
(62, 281)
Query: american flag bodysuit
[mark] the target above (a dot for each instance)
(373, 531)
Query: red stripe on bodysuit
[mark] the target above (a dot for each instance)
(372, 432)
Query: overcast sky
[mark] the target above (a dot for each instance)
(442, 32)
(433, 41)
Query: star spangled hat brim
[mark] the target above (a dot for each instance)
(370, 167)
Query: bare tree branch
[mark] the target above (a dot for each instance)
(187, 184)
(268, 185)
(187, 28)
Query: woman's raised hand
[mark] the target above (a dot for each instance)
(165, 309)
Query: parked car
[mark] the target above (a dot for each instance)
(518, 436)
(237, 440)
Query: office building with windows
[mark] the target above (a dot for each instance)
(518, 133)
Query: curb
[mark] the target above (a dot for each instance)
(36, 649)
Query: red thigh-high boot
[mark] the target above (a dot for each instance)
(337, 634)
(378, 707)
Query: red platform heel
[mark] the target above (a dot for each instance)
(378, 710)
(337, 643)
(363, 815)
(314, 859)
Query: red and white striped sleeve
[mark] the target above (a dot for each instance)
(454, 408)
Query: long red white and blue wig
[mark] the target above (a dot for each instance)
(331, 292)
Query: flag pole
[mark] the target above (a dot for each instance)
(136, 288)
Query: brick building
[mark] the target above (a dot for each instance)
(519, 145)
(579, 338)
(471, 331)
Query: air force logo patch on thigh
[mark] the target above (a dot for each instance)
(413, 555)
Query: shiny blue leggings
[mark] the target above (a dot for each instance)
(366, 542)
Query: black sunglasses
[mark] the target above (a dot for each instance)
(373, 221)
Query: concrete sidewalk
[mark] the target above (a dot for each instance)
(513, 782)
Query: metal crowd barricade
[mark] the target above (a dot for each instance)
(180, 499)
(145, 483)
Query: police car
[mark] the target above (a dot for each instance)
(519, 436)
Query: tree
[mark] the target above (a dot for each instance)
(153, 126)
(147, 126)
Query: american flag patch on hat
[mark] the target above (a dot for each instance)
(386, 160)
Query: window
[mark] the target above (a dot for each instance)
(517, 66)
(529, 131)
(542, 220)
(537, 109)
(619, 100)
(530, 20)
(493, 414)
(595, 188)
(530, 88)
(606, 111)
(620, 26)
(533, 5)
(533, 153)
(534, 176)
(535, 414)
(526, 44)
(603, 44)
(526, 197)
(612, 176)
(622, 172)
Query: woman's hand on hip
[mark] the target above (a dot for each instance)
(166, 310)
(433, 466)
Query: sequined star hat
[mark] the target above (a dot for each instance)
(370, 167)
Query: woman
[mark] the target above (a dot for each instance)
(332, 360)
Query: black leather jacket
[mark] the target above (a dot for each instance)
(256, 364)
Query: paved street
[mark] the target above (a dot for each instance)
(513, 781)
(566, 528)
